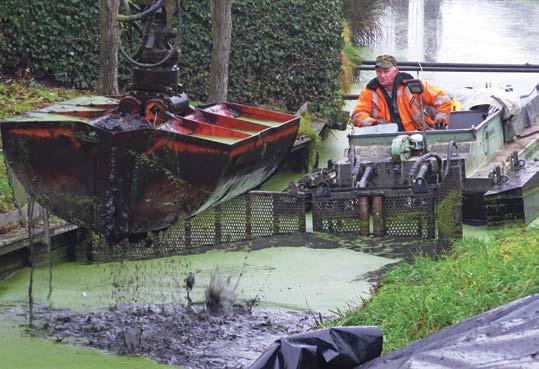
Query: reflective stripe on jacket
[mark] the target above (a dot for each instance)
(372, 107)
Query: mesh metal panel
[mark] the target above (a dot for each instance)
(231, 221)
(252, 216)
(404, 214)
(408, 215)
(262, 222)
(289, 213)
(338, 213)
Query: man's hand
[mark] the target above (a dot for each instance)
(355, 122)
(374, 123)
(440, 124)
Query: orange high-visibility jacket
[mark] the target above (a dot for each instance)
(371, 106)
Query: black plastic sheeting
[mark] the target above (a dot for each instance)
(505, 337)
(333, 348)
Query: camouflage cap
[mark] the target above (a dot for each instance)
(385, 61)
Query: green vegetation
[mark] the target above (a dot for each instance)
(306, 129)
(51, 40)
(279, 276)
(20, 97)
(416, 300)
(445, 219)
(351, 58)
(363, 17)
(6, 201)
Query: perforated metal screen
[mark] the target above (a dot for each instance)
(251, 216)
(338, 213)
(403, 214)
(408, 215)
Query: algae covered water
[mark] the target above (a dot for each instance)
(298, 278)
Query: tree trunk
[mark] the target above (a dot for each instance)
(108, 56)
(221, 15)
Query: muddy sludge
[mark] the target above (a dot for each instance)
(179, 335)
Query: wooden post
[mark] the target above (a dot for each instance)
(377, 216)
(364, 216)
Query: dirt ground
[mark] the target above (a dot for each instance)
(179, 335)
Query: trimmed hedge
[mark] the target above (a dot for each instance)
(54, 39)
(284, 52)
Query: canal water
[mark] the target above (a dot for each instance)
(461, 31)
(481, 31)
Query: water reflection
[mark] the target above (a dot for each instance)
(483, 31)
(416, 29)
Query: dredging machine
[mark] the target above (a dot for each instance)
(482, 168)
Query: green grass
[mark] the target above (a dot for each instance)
(306, 129)
(17, 98)
(416, 300)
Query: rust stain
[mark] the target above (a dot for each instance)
(48, 133)
(198, 149)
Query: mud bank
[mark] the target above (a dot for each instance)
(179, 335)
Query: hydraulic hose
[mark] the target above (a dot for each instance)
(365, 177)
(146, 13)
(422, 160)
(139, 49)
(420, 178)
(130, 18)
(145, 65)
(527, 135)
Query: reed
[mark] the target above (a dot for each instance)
(364, 18)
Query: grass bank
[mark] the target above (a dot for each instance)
(413, 301)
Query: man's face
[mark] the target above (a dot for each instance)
(386, 76)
